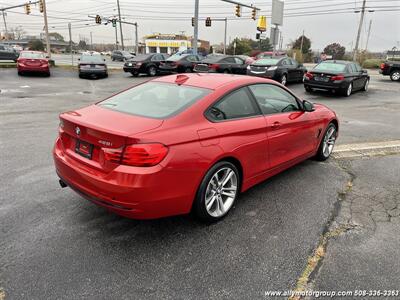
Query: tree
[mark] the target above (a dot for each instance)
(265, 45)
(36, 45)
(17, 32)
(306, 47)
(56, 36)
(242, 47)
(82, 45)
(336, 50)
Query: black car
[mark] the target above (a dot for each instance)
(8, 53)
(145, 63)
(281, 69)
(338, 76)
(392, 69)
(222, 64)
(92, 65)
(180, 63)
(120, 55)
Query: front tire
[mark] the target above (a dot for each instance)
(152, 71)
(366, 85)
(308, 89)
(395, 75)
(217, 192)
(283, 79)
(327, 143)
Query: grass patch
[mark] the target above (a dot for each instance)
(6, 66)
(372, 63)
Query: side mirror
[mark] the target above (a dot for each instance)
(47, 56)
(308, 106)
(364, 71)
(104, 59)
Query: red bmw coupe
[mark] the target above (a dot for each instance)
(188, 143)
(33, 61)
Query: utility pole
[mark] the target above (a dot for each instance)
(5, 24)
(226, 25)
(46, 29)
(196, 26)
(136, 39)
(116, 38)
(70, 44)
(369, 32)
(120, 25)
(91, 41)
(301, 44)
(359, 30)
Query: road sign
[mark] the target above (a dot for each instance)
(262, 23)
(277, 12)
(274, 37)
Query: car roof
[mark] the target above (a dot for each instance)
(211, 80)
(342, 62)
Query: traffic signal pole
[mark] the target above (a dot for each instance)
(120, 26)
(5, 23)
(46, 29)
(196, 26)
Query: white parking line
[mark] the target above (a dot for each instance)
(367, 149)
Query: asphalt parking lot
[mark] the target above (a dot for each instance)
(55, 245)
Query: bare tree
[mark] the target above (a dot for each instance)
(17, 32)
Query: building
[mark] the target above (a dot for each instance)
(170, 43)
(393, 54)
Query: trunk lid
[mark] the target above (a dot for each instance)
(86, 131)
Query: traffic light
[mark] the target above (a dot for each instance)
(41, 6)
(238, 11)
(193, 22)
(27, 9)
(114, 22)
(254, 14)
(98, 19)
(208, 22)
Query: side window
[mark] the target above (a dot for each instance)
(237, 104)
(286, 62)
(239, 61)
(229, 60)
(352, 68)
(294, 63)
(157, 57)
(192, 58)
(358, 68)
(274, 99)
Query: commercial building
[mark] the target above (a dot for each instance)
(170, 43)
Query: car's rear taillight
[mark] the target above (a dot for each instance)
(214, 66)
(337, 78)
(383, 66)
(309, 75)
(138, 155)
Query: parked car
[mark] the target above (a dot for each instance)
(180, 63)
(120, 55)
(247, 59)
(92, 66)
(281, 69)
(392, 69)
(145, 63)
(222, 64)
(338, 76)
(33, 62)
(185, 142)
(8, 53)
(266, 54)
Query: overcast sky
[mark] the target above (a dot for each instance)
(324, 21)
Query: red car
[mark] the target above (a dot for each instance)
(33, 61)
(185, 143)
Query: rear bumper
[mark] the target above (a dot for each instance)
(133, 192)
(267, 74)
(329, 86)
(25, 68)
(385, 72)
(92, 71)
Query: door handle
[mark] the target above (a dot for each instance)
(276, 125)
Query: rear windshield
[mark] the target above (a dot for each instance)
(92, 59)
(267, 61)
(330, 66)
(155, 99)
(32, 55)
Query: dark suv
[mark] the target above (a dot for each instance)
(145, 63)
(8, 53)
(392, 69)
(120, 55)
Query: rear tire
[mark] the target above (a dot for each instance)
(188, 70)
(152, 71)
(135, 74)
(308, 89)
(80, 75)
(217, 192)
(226, 71)
(327, 143)
(395, 75)
(283, 79)
(20, 73)
(348, 91)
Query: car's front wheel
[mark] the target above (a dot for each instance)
(327, 143)
(395, 75)
(308, 89)
(217, 192)
(366, 85)
(284, 79)
(152, 71)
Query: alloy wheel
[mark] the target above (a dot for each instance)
(152, 71)
(366, 85)
(283, 79)
(395, 76)
(329, 141)
(349, 90)
(221, 192)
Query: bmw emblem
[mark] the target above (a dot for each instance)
(77, 130)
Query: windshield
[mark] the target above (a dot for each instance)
(155, 99)
(267, 61)
(175, 57)
(330, 66)
(32, 55)
(126, 53)
(92, 59)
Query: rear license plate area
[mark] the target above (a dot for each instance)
(323, 79)
(84, 149)
(93, 66)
